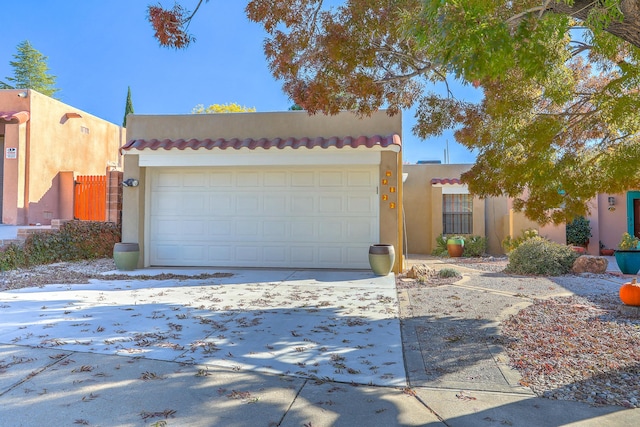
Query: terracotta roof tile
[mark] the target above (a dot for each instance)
(265, 143)
(442, 181)
(14, 117)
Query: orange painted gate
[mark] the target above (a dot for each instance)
(90, 198)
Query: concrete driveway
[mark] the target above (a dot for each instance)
(339, 326)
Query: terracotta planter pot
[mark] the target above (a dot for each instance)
(455, 247)
(606, 252)
(381, 259)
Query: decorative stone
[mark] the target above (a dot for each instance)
(420, 270)
(590, 264)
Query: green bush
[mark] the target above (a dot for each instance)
(441, 247)
(76, 240)
(539, 256)
(509, 244)
(448, 272)
(474, 246)
(578, 231)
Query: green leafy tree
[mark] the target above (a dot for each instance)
(222, 108)
(558, 122)
(128, 108)
(30, 71)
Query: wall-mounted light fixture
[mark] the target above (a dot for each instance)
(612, 201)
(131, 182)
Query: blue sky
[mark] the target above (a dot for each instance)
(96, 48)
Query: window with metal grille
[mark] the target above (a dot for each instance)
(457, 214)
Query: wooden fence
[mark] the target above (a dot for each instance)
(90, 198)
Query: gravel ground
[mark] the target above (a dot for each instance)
(571, 348)
(581, 348)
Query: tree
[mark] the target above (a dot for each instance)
(558, 122)
(128, 108)
(222, 108)
(30, 71)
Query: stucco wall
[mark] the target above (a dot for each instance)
(50, 143)
(612, 222)
(296, 124)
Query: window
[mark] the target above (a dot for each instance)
(457, 214)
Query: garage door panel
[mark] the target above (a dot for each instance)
(221, 204)
(220, 227)
(329, 230)
(360, 179)
(221, 254)
(358, 231)
(166, 253)
(275, 254)
(330, 204)
(195, 180)
(247, 179)
(247, 254)
(247, 204)
(169, 203)
(168, 180)
(311, 217)
(302, 205)
(302, 255)
(331, 179)
(276, 206)
(275, 179)
(197, 254)
(303, 230)
(222, 180)
(248, 230)
(303, 179)
(275, 230)
(193, 204)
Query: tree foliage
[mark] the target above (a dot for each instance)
(222, 108)
(30, 71)
(558, 122)
(128, 107)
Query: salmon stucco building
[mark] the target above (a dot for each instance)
(45, 145)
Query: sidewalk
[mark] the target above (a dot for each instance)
(466, 385)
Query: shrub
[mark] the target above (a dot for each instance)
(76, 240)
(448, 272)
(509, 244)
(474, 246)
(441, 247)
(578, 231)
(539, 256)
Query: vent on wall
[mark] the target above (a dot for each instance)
(84, 129)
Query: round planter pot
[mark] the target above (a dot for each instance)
(126, 256)
(628, 261)
(381, 259)
(455, 247)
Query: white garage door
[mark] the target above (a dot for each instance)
(312, 217)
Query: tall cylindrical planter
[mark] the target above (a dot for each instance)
(381, 259)
(126, 256)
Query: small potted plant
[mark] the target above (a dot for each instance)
(604, 251)
(628, 254)
(578, 232)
